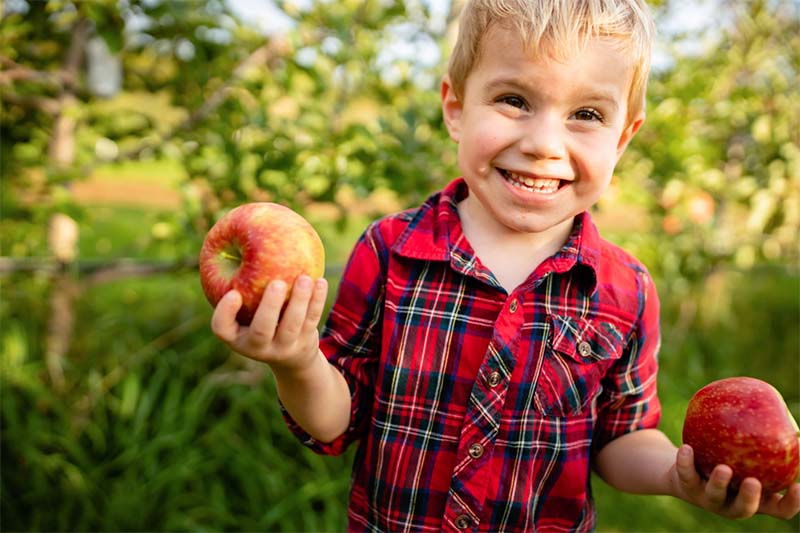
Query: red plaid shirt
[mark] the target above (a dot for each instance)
(476, 409)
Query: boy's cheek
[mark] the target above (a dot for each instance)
(472, 160)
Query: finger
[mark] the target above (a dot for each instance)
(747, 499)
(785, 506)
(687, 473)
(295, 313)
(771, 504)
(223, 322)
(316, 306)
(717, 486)
(265, 319)
(789, 505)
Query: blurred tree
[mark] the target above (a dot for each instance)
(320, 114)
(325, 114)
(54, 129)
(717, 165)
(332, 121)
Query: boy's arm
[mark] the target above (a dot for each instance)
(314, 393)
(633, 457)
(318, 399)
(646, 462)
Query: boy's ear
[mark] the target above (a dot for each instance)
(628, 133)
(451, 108)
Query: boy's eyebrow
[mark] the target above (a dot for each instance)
(594, 95)
(500, 83)
(602, 96)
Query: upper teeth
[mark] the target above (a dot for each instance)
(535, 184)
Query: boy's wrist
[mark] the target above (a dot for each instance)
(300, 371)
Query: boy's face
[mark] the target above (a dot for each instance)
(538, 139)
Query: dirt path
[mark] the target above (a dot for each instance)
(94, 191)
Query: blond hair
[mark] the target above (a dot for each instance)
(558, 28)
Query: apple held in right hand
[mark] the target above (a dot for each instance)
(254, 244)
(744, 423)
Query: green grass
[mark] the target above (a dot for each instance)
(161, 428)
(150, 234)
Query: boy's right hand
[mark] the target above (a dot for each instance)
(285, 338)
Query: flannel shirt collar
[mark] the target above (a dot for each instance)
(435, 234)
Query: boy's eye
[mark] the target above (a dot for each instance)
(588, 114)
(513, 101)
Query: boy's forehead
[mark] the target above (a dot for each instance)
(603, 59)
(560, 48)
(503, 45)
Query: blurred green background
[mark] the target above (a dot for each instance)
(128, 126)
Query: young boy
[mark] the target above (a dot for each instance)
(488, 348)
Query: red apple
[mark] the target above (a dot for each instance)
(254, 244)
(744, 423)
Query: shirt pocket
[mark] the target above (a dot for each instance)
(576, 356)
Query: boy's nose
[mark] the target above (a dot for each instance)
(542, 137)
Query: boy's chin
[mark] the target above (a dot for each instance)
(539, 225)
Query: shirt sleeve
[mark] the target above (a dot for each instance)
(629, 400)
(351, 337)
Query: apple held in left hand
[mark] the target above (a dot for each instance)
(254, 244)
(744, 423)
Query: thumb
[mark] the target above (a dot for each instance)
(223, 322)
(687, 473)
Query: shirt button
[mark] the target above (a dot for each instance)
(494, 379)
(463, 521)
(512, 307)
(585, 349)
(475, 451)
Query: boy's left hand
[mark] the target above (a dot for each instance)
(712, 494)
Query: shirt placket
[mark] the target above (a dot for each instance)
(472, 473)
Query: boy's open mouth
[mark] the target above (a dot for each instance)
(526, 183)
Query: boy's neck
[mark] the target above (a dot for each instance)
(511, 256)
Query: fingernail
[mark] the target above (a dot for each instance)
(230, 295)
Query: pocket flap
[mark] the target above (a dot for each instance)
(580, 338)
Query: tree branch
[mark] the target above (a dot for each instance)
(43, 103)
(62, 142)
(130, 268)
(264, 54)
(7, 77)
(97, 271)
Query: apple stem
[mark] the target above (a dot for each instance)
(232, 257)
